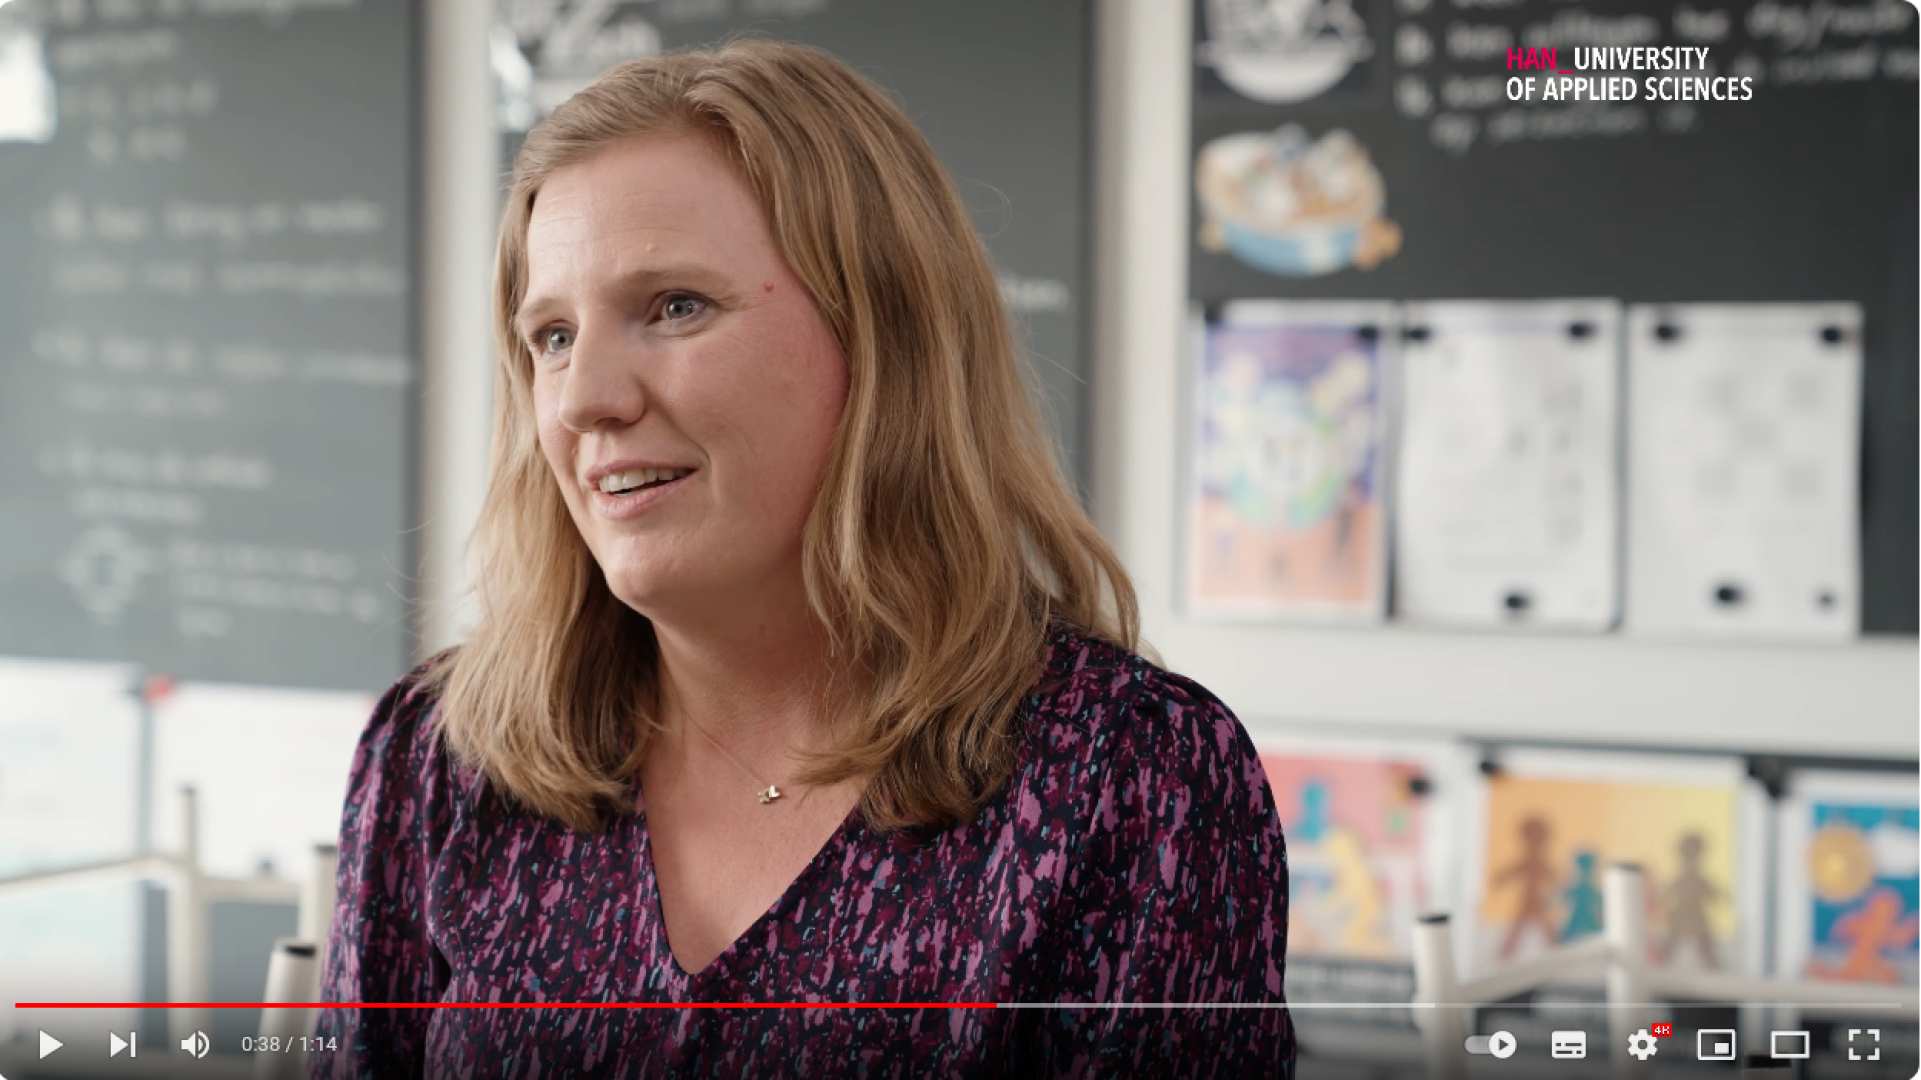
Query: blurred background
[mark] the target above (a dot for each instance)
(1535, 478)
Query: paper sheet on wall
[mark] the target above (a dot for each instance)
(1549, 822)
(1284, 500)
(1744, 443)
(1506, 491)
(1851, 887)
(69, 764)
(1368, 823)
(270, 768)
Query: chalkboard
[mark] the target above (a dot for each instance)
(1805, 191)
(999, 87)
(207, 336)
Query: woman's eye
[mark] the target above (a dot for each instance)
(554, 339)
(682, 306)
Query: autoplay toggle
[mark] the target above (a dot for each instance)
(1501, 1044)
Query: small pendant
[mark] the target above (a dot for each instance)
(769, 795)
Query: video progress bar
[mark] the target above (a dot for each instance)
(1639, 1006)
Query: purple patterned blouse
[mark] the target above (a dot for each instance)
(1135, 857)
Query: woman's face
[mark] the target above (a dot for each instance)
(687, 389)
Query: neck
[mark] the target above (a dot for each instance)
(747, 674)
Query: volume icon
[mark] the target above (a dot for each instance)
(196, 1044)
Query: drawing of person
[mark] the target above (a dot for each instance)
(1535, 882)
(1357, 895)
(1583, 900)
(1685, 902)
(1313, 825)
(1872, 930)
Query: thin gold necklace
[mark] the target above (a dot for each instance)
(768, 792)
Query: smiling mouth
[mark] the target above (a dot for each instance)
(634, 480)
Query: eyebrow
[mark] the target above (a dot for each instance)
(533, 309)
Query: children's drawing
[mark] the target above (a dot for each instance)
(1744, 450)
(1507, 464)
(1552, 823)
(1288, 204)
(1286, 512)
(1851, 913)
(1357, 819)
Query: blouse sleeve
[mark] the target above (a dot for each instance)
(1178, 895)
(379, 949)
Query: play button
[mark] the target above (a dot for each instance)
(48, 1044)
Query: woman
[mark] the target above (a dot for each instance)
(801, 675)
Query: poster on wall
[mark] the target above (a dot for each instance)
(1849, 910)
(1370, 823)
(1744, 452)
(1507, 479)
(1285, 500)
(1548, 823)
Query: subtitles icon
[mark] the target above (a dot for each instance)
(1714, 1044)
(1568, 1045)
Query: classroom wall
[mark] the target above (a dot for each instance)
(1851, 699)
(1855, 698)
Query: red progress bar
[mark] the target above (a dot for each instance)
(504, 1005)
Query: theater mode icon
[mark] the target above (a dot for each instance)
(1714, 1044)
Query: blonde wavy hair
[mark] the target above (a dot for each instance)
(942, 542)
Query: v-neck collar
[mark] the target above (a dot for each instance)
(723, 964)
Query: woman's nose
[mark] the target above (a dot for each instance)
(601, 387)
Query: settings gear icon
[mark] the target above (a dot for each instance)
(1642, 1045)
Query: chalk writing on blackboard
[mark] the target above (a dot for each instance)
(215, 336)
